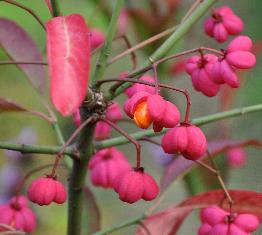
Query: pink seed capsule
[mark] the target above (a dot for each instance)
(18, 215)
(236, 157)
(200, 70)
(188, 140)
(135, 185)
(217, 221)
(222, 23)
(45, 190)
(106, 165)
(146, 109)
(97, 38)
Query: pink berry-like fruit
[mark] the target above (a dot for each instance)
(106, 165)
(188, 140)
(97, 38)
(238, 53)
(18, 215)
(146, 108)
(236, 157)
(46, 190)
(237, 56)
(216, 221)
(134, 185)
(222, 23)
(200, 70)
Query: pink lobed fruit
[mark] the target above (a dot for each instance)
(134, 185)
(216, 221)
(236, 157)
(222, 23)
(106, 165)
(17, 214)
(45, 190)
(146, 108)
(97, 38)
(200, 70)
(237, 56)
(188, 140)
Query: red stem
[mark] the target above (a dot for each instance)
(69, 141)
(131, 139)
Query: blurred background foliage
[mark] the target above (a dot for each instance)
(144, 22)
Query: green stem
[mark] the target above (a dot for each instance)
(180, 31)
(55, 8)
(77, 180)
(106, 50)
(132, 221)
(197, 121)
(23, 148)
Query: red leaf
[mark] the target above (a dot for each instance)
(244, 201)
(164, 222)
(180, 166)
(92, 208)
(10, 106)
(168, 221)
(21, 47)
(68, 51)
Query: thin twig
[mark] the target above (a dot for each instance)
(68, 142)
(128, 44)
(191, 9)
(30, 11)
(13, 232)
(7, 227)
(221, 181)
(131, 139)
(42, 115)
(10, 62)
(147, 139)
(143, 44)
(213, 170)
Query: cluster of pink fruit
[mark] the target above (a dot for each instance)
(109, 168)
(216, 221)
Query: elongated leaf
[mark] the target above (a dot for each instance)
(68, 51)
(10, 106)
(244, 201)
(180, 166)
(93, 220)
(168, 221)
(20, 47)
